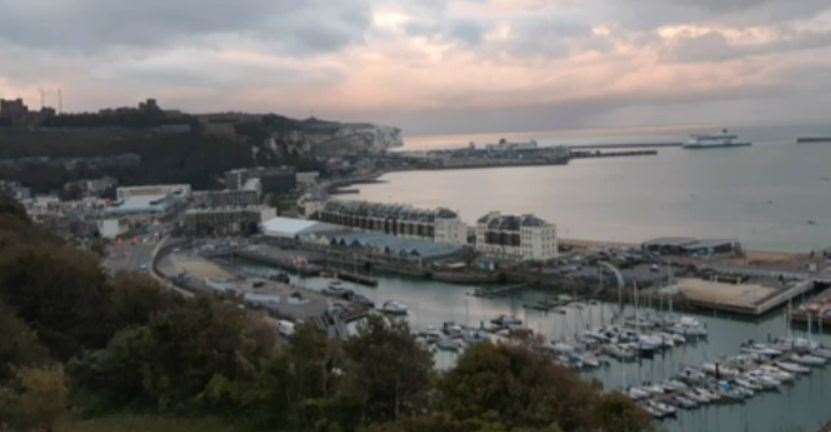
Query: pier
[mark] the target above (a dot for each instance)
(742, 298)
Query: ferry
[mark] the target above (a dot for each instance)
(721, 140)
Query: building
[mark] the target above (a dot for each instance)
(182, 191)
(292, 228)
(387, 245)
(90, 187)
(307, 179)
(15, 111)
(155, 206)
(154, 201)
(226, 198)
(524, 237)
(15, 190)
(226, 220)
(272, 179)
(111, 228)
(439, 225)
(692, 247)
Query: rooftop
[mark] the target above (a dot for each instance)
(398, 211)
(498, 221)
(291, 227)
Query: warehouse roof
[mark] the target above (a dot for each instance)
(291, 227)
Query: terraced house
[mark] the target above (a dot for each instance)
(440, 225)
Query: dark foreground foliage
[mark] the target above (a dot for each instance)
(76, 342)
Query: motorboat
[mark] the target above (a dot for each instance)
(792, 367)
(683, 402)
(448, 344)
(335, 290)
(654, 389)
(777, 373)
(675, 385)
(637, 393)
(395, 308)
(808, 360)
(748, 383)
(765, 380)
(506, 321)
(719, 369)
(451, 329)
(668, 410)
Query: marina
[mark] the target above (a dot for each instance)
(448, 318)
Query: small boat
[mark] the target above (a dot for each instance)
(362, 300)
(335, 290)
(451, 329)
(792, 367)
(447, 344)
(808, 360)
(765, 380)
(654, 412)
(637, 393)
(748, 383)
(722, 370)
(506, 321)
(675, 385)
(475, 336)
(280, 277)
(668, 410)
(683, 402)
(777, 373)
(395, 308)
(822, 352)
(654, 389)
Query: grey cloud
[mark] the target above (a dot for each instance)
(650, 14)
(713, 46)
(468, 31)
(90, 26)
(550, 36)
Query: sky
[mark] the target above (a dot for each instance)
(431, 66)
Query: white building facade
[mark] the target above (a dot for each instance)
(440, 225)
(524, 237)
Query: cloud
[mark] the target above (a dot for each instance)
(713, 45)
(88, 26)
(433, 65)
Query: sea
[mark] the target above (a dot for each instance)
(775, 195)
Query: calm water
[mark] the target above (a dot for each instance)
(802, 406)
(763, 195)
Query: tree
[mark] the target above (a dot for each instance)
(136, 298)
(38, 398)
(616, 413)
(517, 387)
(388, 372)
(60, 292)
(19, 345)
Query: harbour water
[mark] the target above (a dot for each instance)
(799, 407)
(775, 195)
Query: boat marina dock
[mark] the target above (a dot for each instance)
(754, 299)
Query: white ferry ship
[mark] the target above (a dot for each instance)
(723, 139)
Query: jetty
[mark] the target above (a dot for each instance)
(753, 299)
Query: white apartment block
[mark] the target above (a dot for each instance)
(524, 237)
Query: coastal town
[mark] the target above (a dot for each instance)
(290, 245)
